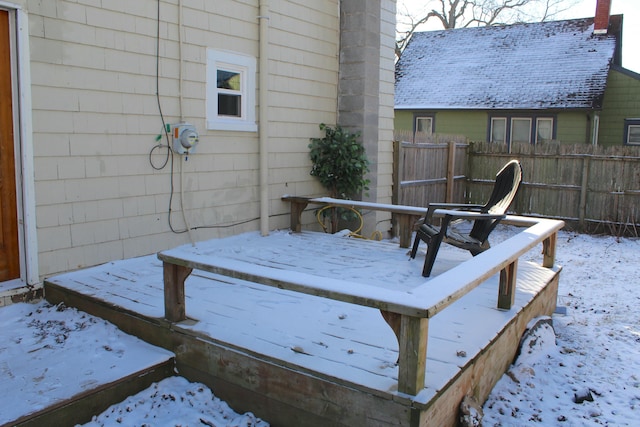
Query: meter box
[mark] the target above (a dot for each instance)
(185, 137)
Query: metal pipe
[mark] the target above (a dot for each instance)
(263, 129)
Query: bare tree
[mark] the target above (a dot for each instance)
(466, 13)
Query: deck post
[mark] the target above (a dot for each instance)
(298, 205)
(549, 250)
(507, 288)
(413, 354)
(405, 225)
(174, 277)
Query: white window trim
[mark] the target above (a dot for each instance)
(629, 126)
(430, 119)
(246, 66)
(538, 120)
(503, 125)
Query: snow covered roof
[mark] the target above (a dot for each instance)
(548, 65)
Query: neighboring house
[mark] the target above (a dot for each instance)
(521, 83)
(88, 88)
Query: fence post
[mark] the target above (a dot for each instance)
(396, 191)
(451, 163)
(583, 191)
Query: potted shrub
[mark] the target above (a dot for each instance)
(340, 163)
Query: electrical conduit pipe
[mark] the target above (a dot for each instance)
(263, 127)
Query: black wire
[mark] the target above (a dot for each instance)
(170, 154)
(166, 159)
(164, 125)
(164, 128)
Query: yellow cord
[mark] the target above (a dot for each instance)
(376, 235)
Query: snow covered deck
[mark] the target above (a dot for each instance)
(290, 357)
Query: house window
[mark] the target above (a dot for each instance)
(424, 125)
(520, 130)
(632, 131)
(544, 130)
(231, 91)
(499, 130)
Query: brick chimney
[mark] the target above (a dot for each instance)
(601, 20)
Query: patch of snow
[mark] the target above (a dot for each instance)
(174, 401)
(587, 373)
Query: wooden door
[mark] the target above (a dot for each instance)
(9, 250)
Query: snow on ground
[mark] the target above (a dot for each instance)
(590, 374)
(174, 402)
(586, 373)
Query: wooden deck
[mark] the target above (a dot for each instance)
(296, 359)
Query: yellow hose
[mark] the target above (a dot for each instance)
(376, 235)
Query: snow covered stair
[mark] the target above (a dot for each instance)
(61, 366)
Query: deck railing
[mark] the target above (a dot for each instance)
(410, 311)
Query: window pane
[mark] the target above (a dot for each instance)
(424, 125)
(634, 134)
(499, 130)
(229, 105)
(544, 130)
(521, 130)
(228, 80)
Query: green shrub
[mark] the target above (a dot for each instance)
(339, 162)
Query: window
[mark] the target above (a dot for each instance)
(544, 130)
(231, 91)
(424, 125)
(499, 130)
(521, 129)
(632, 131)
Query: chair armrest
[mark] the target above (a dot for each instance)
(454, 205)
(449, 206)
(471, 215)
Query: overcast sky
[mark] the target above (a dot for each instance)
(582, 9)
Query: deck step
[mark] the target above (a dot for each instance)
(80, 408)
(67, 382)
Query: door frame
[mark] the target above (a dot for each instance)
(23, 143)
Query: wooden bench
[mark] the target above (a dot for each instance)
(407, 313)
(406, 215)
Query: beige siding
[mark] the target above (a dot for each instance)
(95, 120)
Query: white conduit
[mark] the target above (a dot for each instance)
(180, 102)
(264, 117)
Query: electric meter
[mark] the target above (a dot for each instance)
(185, 138)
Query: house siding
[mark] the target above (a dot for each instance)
(621, 101)
(95, 120)
(572, 127)
(471, 124)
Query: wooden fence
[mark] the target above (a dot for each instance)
(593, 189)
(427, 172)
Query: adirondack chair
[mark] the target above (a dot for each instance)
(484, 217)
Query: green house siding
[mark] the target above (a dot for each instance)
(621, 101)
(574, 127)
(571, 127)
(403, 120)
(472, 124)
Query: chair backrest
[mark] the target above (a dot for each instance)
(504, 191)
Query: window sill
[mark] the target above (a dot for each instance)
(232, 126)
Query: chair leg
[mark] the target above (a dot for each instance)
(432, 251)
(416, 243)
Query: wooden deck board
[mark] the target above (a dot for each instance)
(345, 342)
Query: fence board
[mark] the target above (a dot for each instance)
(597, 188)
(594, 188)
